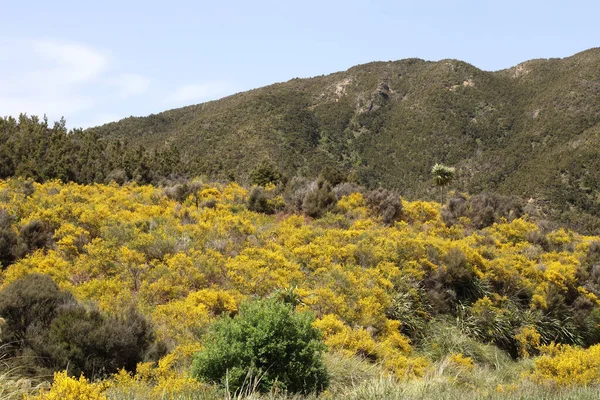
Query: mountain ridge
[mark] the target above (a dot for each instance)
(386, 123)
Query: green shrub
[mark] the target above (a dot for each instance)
(268, 341)
(319, 199)
(34, 236)
(386, 204)
(265, 173)
(28, 301)
(90, 343)
(8, 239)
(49, 331)
(258, 201)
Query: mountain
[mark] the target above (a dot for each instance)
(531, 130)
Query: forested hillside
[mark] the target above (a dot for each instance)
(123, 284)
(529, 131)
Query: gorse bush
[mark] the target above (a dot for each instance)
(566, 366)
(378, 291)
(266, 342)
(65, 387)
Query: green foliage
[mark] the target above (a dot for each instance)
(380, 124)
(443, 338)
(319, 199)
(268, 341)
(8, 239)
(27, 302)
(442, 174)
(386, 204)
(259, 202)
(55, 332)
(264, 174)
(34, 236)
(90, 343)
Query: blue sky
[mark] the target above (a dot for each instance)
(99, 61)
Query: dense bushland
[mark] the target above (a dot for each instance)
(505, 305)
(528, 131)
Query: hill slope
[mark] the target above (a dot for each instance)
(528, 130)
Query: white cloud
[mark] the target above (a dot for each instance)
(43, 77)
(129, 85)
(57, 78)
(196, 93)
(72, 62)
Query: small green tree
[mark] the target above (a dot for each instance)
(267, 341)
(442, 175)
(265, 173)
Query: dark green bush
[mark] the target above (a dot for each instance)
(28, 301)
(268, 341)
(319, 199)
(90, 343)
(258, 201)
(386, 204)
(50, 331)
(8, 239)
(34, 236)
(265, 173)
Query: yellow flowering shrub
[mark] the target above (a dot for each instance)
(183, 264)
(528, 340)
(568, 366)
(67, 388)
(461, 361)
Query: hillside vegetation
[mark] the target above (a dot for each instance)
(409, 304)
(529, 130)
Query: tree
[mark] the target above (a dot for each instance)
(268, 342)
(442, 175)
(264, 174)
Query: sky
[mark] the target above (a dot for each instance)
(94, 62)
